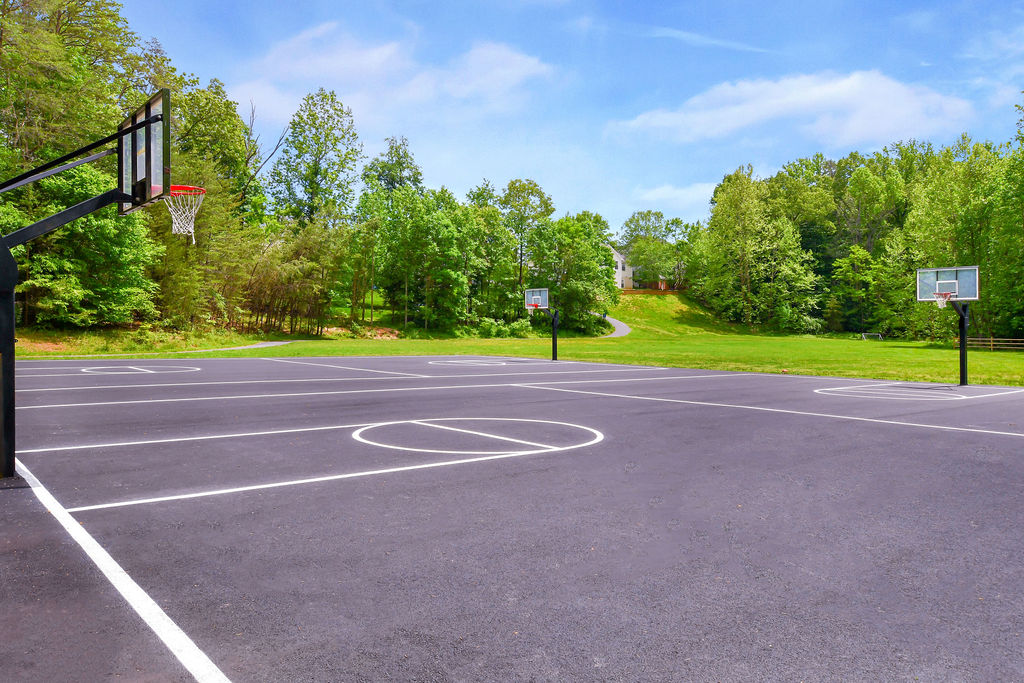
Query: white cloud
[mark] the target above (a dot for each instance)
(689, 202)
(381, 81)
(997, 45)
(272, 104)
(997, 60)
(490, 71)
(832, 109)
(325, 51)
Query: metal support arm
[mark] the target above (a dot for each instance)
(51, 223)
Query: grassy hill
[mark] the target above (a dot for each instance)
(670, 330)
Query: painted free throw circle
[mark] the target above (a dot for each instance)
(558, 436)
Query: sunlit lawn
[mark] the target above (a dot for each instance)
(666, 332)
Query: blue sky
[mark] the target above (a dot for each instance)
(612, 106)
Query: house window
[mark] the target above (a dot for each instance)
(623, 266)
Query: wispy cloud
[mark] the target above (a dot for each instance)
(698, 40)
(833, 109)
(997, 46)
(380, 80)
(920, 21)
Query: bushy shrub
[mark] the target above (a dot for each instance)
(520, 328)
(489, 327)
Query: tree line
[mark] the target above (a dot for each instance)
(292, 238)
(826, 245)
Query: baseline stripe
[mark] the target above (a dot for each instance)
(360, 391)
(852, 418)
(176, 640)
(316, 379)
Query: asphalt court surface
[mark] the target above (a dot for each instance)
(485, 518)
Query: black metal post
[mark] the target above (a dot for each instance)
(8, 279)
(554, 336)
(554, 332)
(964, 311)
(7, 380)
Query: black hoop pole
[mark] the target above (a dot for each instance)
(8, 280)
(964, 312)
(554, 332)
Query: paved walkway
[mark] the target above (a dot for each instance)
(621, 328)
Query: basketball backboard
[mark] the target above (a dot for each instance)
(144, 157)
(961, 283)
(536, 299)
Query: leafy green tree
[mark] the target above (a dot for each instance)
(571, 257)
(852, 282)
(483, 195)
(748, 267)
(394, 168)
(952, 217)
(649, 224)
(866, 209)
(802, 194)
(524, 206)
(315, 171)
(652, 258)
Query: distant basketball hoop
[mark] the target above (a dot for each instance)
(183, 203)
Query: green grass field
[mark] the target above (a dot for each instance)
(667, 331)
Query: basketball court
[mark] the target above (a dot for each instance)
(439, 518)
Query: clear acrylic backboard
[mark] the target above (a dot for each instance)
(961, 283)
(144, 157)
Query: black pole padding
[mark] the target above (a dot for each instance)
(554, 336)
(7, 380)
(8, 280)
(964, 311)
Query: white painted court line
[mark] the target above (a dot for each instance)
(484, 434)
(176, 640)
(998, 393)
(344, 367)
(332, 477)
(326, 379)
(894, 391)
(851, 418)
(182, 439)
(27, 373)
(359, 391)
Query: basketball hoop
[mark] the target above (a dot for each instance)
(183, 203)
(942, 298)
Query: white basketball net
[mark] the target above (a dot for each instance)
(942, 298)
(183, 203)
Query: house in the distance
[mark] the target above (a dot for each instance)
(623, 271)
